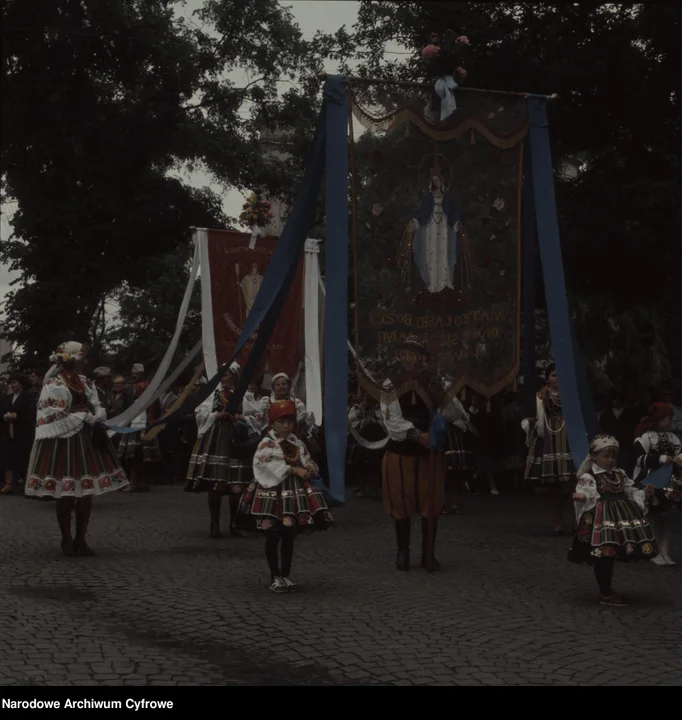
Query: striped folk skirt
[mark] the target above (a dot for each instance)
(293, 504)
(407, 483)
(615, 528)
(73, 467)
(210, 467)
(549, 458)
(458, 455)
(130, 446)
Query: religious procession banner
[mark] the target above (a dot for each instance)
(438, 218)
(237, 265)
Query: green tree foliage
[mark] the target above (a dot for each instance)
(616, 70)
(102, 102)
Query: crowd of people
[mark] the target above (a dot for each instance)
(413, 442)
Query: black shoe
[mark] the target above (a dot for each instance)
(214, 532)
(403, 561)
(235, 533)
(68, 547)
(82, 549)
(425, 564)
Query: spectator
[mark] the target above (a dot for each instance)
(17, 429)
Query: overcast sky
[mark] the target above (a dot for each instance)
(311, 15)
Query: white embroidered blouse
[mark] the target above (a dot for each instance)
(587, 486)
(55, 419)
(270, 469)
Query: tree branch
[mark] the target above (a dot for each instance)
(209, 102)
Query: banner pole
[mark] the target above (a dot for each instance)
(354, 210)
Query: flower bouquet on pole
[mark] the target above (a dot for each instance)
(443, 59)
(256, 214)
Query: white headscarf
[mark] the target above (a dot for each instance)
(138, 368)
(279, 376)
(65, 353)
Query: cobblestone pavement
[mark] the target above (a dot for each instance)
(162, 604)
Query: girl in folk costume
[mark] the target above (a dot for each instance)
(282, 502)
(611, 514)
(72, 458)
(407, 464)
(656, 447)
(221, 462)
(549, 459)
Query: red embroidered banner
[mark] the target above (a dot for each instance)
(236, 276)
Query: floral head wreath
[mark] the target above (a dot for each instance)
(602, 442)
(68, 352)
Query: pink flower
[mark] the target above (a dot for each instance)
(462, 40)
(376, 209)
(430, 52)
(461, 72)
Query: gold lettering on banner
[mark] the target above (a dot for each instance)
(259, 250)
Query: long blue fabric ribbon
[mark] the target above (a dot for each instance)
(336, 305)
(530, 264)
(553, 273)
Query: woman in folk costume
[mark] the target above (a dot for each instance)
(611, 515)
(407, 405)
(282, 502)
(458, 454)
(221, 462)
(281, 390)
(131, 447)
(549, 458)
(657, 447)
(367, 427)
(253, 409)
(72, 458)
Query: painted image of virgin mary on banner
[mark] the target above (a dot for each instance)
(436, 229)
(435, 243)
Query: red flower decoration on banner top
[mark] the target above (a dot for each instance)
(442, 52)
(430, 52)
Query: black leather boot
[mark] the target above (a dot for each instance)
(402, 534)
(425, 544)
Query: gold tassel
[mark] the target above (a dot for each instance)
(472, 141)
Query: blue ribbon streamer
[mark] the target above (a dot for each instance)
(336, 305)
(553, 272)
(437, 432)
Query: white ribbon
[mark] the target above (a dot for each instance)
(148, 396)
(311, 315)
(256, 232)
(445, 89)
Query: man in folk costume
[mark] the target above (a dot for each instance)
(408, 464)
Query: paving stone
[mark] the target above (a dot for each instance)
(164, 605)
